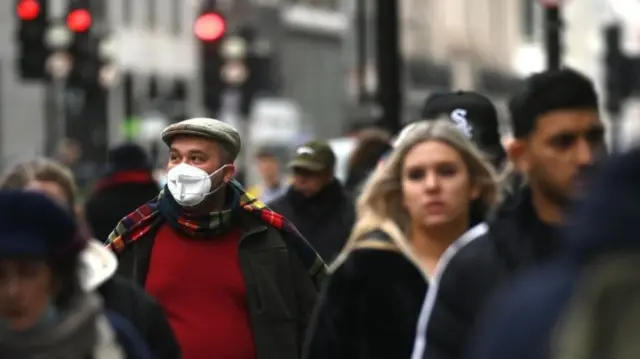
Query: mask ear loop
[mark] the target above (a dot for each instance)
(221, 182)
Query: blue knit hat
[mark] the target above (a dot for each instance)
(33, 225)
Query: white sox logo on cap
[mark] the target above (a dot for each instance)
(459, 116)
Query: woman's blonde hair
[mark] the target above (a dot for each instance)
(380, 206)
(40, 169)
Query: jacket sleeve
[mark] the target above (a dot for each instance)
(162, 340)
(306, 294)
(332, 317)
(133, 303)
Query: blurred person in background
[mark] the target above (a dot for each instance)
(127, 184)
(69, 154)
(372, 145)
(427, 200)
(558, 138)
(48, 304)
(273, 181)
(474, 114)
(236, 279)
(316, 201)
(119, 294)
(584, 304)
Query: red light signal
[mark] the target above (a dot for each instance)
(28, 10)
(79, 20)
(210, 27)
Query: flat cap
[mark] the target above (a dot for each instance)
(218, 131)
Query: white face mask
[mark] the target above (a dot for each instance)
(190, 185)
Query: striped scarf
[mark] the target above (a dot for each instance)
(153, 214)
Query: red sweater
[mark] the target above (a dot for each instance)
(200, 285)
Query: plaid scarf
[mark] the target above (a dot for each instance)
(151, 216)
(208, 225)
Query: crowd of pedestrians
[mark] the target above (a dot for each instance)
(443, 243)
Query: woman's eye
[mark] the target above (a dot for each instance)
(447, 171)
(416, 175)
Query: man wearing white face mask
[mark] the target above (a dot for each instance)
(236, 279)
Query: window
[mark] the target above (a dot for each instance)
(532, 21)
(322, 4)
(127, 12)
(152, 15)
(176, 16)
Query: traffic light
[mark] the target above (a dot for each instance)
(32, 28)
(210, 28)
(83, 49)
(79, 20)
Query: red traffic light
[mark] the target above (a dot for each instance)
(28, 9)
(210, 27)
(79, 20)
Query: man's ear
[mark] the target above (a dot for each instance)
(517, 149)
(229, 172)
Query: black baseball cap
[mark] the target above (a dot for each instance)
(473, 112)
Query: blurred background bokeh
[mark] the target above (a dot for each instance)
(78, 77)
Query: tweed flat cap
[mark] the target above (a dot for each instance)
(227, 136)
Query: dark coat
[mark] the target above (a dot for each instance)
(373, 302)
(131, 302)
(523, 320)
(111, 201)
(325, 219)
(280, 292)
(369, 306)
(516, 241)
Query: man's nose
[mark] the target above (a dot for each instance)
(585, 153)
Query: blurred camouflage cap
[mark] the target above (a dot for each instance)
(314, 156)
(218, 131)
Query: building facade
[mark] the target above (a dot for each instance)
(489, 45)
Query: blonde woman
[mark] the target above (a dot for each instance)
(426, 200)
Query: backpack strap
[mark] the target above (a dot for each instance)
(377, 239)
(129, 337)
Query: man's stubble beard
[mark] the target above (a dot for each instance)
(550, 191)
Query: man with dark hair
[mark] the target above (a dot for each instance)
(584, 304)
(236, 279)
(316, 202)
(558, 138)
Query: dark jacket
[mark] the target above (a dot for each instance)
(369, 306)
(373, 302)
(280, 293)
(325, 219)
(595, 274)
(132, 303)
(516, 240)
(116, 196)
